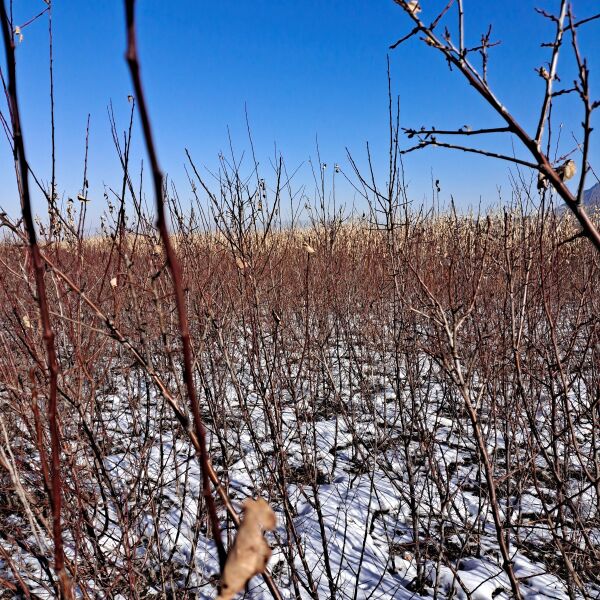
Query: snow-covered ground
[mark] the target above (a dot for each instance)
(376, 483)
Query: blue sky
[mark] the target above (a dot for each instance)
(303, 69)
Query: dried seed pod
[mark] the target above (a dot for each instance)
(241, 263)
(414, 7)
(567, 170)
(543, 73)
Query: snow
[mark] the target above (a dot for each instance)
(357, 469)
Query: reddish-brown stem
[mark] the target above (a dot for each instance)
(175, 270)
(64, 581)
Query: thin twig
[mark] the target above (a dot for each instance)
(439, 144)
(464, 131)
(64, 580)
(550, 75)
(175, 270)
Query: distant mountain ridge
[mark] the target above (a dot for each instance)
(591, 197)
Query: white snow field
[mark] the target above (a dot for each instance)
(384, 494)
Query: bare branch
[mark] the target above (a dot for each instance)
(439, 144)
(583, 89)
(550, 75)
(461, 28)
(479, 83)
(175, 270)
(466, 130)
(64, 581)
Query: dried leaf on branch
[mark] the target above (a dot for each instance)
(250, 552)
